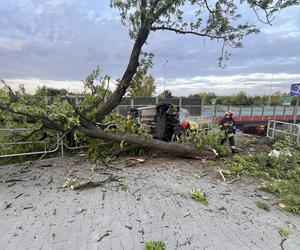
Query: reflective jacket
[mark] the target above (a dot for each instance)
(228, 125)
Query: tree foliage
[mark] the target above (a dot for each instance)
(40, 114)
(95, 83)
(219, 20)
(280, 175)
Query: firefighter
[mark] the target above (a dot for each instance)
(227, 124)
(190, 125)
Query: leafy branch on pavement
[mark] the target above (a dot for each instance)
(198, 195)
(281, 175)
(155, 245)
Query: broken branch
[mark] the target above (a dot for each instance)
(12, 180)
(220, 172)
(91, 184)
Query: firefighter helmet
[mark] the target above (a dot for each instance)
(229, 114)
(184, 125)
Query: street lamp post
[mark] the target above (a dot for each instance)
(269, 103)
(271, 92)
(164, 67)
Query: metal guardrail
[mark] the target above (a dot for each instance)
(59, 144)
(279, 130)
(275, 129)
(45, 151)
(83, 146)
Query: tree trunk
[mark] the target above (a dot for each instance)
(178, 149)
(114, 100)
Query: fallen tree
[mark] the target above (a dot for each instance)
(215, 20)
(180, 149)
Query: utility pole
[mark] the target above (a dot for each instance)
(164, 67)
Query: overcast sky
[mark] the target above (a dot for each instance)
(59, 42)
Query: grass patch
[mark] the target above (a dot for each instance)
(197, 195)
(155, 245)
(79, 210)
(281, 174)
(263, 205)
(284, 232)
(255, 141)
(68, 182)
(124, 188)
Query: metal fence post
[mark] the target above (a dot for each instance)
(268, 128)
(61, 146)
(296, 110)
(215, 110)
(273, 130)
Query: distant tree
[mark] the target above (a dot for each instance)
(276, 99)
(207, 97)
(149, 86)
(240, 98)
(294, 101)
(225, 100)
(48, 91)
(166, 94)
(194, 96)
(257, 100)
(144, 88)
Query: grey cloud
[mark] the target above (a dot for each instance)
(65, 43)
(62, 40)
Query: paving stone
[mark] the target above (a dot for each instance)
(155, 207)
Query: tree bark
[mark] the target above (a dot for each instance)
(173, 148)
(114, 100)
